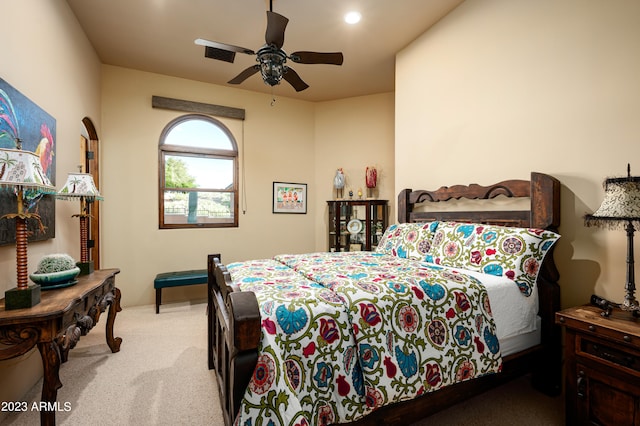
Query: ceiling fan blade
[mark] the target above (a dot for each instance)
(245, 74)
(276, 24)
(294, 79)
(332, 58)
(223, 46)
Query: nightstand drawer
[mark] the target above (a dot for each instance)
(609, 353)
(621, 327)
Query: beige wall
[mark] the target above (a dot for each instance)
(500, 88)
(352, 134)
(46, 56)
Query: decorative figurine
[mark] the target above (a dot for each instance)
(360, 193)
(371, 178)
(338, 183)
(350, 194)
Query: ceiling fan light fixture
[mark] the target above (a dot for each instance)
(271, 65)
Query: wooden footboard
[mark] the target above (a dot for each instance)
(234, 335)
(234, 317)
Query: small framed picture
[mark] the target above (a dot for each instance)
(289, 197)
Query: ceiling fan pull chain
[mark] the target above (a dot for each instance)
(273, 97)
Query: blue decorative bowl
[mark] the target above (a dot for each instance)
(52, 280)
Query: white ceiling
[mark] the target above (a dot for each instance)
(158, 36)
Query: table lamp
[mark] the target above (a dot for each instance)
(21, 173)
(81, 185)
(620, 207)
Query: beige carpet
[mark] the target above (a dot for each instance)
(160, 377)
(513, 404)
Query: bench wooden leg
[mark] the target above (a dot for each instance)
(158, 299)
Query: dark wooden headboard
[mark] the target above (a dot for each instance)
(543, 190)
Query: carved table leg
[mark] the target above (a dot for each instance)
(114, 308)
(50, 354)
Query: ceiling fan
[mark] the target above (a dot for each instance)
(270, 57)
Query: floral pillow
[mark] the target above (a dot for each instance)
(515, 253)
(408, 240)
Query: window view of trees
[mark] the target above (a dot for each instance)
(177, 175)
(198, 184)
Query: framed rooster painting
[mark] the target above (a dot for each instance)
(24, 121)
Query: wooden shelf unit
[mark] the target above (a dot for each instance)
(368, 217)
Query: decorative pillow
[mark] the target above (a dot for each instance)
(408, 240)
(515, 253)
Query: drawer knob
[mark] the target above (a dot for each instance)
(626, 338)
(592, 328)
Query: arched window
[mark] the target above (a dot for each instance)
(198, 159)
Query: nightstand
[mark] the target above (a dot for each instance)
(602, 366)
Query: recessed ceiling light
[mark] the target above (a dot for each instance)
(352, 17)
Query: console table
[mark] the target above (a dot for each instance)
(56, 324)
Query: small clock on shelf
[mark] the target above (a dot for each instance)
(354, 226)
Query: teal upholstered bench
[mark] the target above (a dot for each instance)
(177, 279)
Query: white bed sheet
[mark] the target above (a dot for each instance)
(513, 344)
(514, 313)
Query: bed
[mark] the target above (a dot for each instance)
(378, 355)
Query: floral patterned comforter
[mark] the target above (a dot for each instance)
(346, 333)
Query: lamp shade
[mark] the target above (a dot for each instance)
(79, 185)
(23, 169)
(621, 203)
